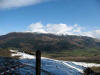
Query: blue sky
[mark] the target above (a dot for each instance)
(79, 17)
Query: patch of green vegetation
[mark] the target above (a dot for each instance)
(87, 55)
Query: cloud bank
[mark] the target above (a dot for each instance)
(18, 3)
(61, 28)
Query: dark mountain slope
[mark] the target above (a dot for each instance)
(46, 42)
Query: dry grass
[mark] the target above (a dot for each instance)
(5, 53)
(96, 69)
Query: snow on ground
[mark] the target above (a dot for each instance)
(87, 64)
(51, 66)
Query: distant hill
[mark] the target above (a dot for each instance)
(47, 42)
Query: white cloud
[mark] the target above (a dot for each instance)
(77, 29)
(54, 28)
(18, 3)
(58, 28)
(62, 29)
(88, 33)
(96, 33)
(36, 27)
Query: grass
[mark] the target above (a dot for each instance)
(5, 53)
(80, 55)
(87, 55)
(96, 69)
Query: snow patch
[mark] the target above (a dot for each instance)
(54, 67)
(87, 64)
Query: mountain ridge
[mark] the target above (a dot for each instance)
(46, 42)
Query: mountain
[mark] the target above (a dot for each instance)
(47, 42)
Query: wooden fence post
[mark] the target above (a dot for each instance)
(38, 62)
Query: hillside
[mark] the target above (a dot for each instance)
(46, 42)
(62, 47)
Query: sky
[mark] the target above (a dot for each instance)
(72, 17)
